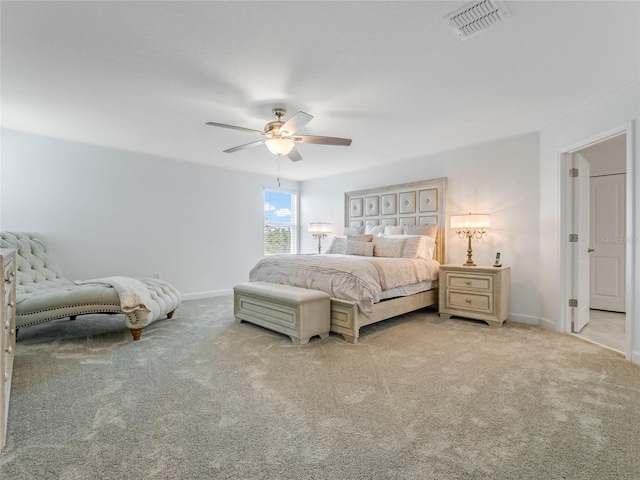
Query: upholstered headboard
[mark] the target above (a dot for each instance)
(416, 203)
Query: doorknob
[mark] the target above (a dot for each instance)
(589, 250)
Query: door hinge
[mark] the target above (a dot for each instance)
(573, 302)
(573, 237)
(573, 172)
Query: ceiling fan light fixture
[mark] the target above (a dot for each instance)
(279, 146)
(279, 135)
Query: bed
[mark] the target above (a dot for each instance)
(369, 289)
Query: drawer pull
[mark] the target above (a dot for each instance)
(10, 350)
(468, 300)
(468, 282)
(7, 324)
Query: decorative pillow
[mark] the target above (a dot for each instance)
(338, 245)
(360, 238)
(428, 230)
(416, 246)
(353, 231)
(397, 246)
(374, 229)
(393, 229)
(413, 247)
(364, 249)
(427, 246)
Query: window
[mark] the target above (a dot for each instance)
(280, 222)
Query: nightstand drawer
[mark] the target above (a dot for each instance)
(470, 281)
(469, 301)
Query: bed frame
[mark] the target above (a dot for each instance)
(417, 203)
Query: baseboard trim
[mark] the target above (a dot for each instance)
(214, 293)
(635, 358)
(548, 324)
(528, 319)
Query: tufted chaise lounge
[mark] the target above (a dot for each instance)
(43, 294)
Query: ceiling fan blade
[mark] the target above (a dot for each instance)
(344, 142)
(294, 155)
(242, 147)
(296, 122)
(224, 125)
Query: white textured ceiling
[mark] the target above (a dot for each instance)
(146, 76)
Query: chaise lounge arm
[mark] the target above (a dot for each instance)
(43, 294)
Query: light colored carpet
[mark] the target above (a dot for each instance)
(203, 397)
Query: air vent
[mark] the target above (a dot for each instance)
(476, 17)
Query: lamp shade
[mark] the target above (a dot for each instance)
(279, 146)
(471, 221)
(320, 227)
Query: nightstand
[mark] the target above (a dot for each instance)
(481, 293)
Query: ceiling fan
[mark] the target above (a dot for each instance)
(280, 136)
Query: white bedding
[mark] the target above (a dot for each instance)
(349, 277)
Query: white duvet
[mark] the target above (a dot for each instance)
(349, 277)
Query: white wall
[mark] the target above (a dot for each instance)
(613, 112)
(500, 178)
(112, 212)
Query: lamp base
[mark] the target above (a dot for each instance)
(469, 262)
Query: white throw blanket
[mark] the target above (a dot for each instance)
(134, 295)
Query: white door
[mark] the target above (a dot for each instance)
(580, 250)
(608, 241)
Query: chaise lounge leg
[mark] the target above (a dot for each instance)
(136, 332)
(170, 314)
(72, 317)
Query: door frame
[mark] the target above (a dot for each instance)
(565, 264)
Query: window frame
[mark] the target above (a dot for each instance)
(294, 225)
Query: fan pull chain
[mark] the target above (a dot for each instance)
(278, 179)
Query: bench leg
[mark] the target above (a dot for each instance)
(350, 338)
(136, 332)
(170, 314)
(304, 341)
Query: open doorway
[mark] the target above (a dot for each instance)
(607, 232)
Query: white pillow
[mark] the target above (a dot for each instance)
(338, 245)
(425, 249)
(374, 230)
(398, 246)
(393, 229)
(428, 230)
(428, 247)
(364, 249)
(360, 238)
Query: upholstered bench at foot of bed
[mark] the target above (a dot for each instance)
(296, 312)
